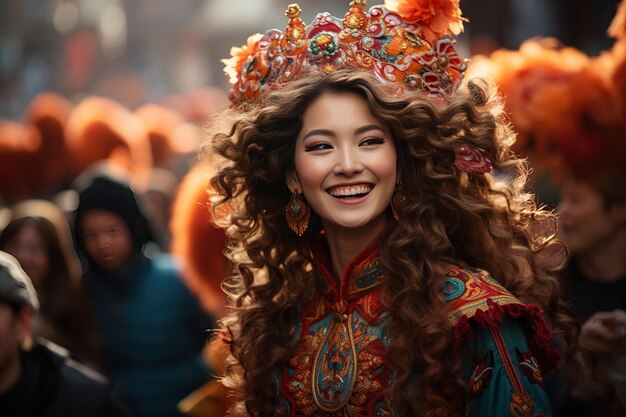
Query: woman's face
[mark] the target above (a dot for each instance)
(345, 162)
(29, 248)
(585, 222)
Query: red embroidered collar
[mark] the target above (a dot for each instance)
(360, 276)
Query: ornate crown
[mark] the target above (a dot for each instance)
(401, 43)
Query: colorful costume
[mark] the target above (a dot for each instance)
(339, 365)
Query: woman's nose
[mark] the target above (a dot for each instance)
(348, 163)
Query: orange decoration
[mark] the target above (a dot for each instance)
(169, 136)
(294, 33)
(48, 113)
(18, 147)
(197, 242)
(101, 129)
(435, 17)
(234, 65)
(568, 108)
(403, 55)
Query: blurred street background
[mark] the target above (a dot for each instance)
(127, 88)
(138, 51)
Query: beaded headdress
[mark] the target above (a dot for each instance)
(402, 43)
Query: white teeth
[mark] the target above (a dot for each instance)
(350, 190)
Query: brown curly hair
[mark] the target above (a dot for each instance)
(446, 217)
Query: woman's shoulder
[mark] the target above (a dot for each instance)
(478, 303)
(473, 292)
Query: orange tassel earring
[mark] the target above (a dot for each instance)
(298, 214)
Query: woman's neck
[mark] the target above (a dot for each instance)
(606, 262)
(346, 243)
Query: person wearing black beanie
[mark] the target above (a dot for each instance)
(152, 328)
(114, 196)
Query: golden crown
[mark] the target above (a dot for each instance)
(403, 43)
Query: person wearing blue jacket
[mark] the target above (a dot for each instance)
(153, 329)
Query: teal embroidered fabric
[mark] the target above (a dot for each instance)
(503, 375)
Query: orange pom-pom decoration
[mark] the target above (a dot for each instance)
(48, 113)
(18, 147)
(436, 18)
(168, 134)
(197, 242)
(101, 129)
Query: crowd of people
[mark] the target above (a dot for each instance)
(569, 110)
(358, 236)
(86, 203)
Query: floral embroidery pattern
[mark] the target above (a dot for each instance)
(479, 288)
(339, 367)
(481, 376)
(529, 366)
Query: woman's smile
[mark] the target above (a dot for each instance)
(345, 162)
(350, 191)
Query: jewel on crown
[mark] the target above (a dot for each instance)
(402, 46)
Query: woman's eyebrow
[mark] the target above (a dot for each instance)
(358, 131)
(367, 128)
(319, 132)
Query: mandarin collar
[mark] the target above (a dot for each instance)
(360, 276)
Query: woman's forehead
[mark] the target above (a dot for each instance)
(338, 110)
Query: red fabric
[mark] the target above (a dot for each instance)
(538, 333)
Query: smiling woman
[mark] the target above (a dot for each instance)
(362, 218)
(345, 165)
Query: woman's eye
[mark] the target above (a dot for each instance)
(372, 141)
(317, 147)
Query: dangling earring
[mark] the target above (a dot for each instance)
(298, 214)
(396, 200)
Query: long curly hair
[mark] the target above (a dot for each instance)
(446, 217)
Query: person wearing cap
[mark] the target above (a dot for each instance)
(152, 328)
(37, 378)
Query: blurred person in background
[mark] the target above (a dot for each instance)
(39, 237)
(570, 112)
(156, 201)
(152, 328)
(593, 228)
(37, 379)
